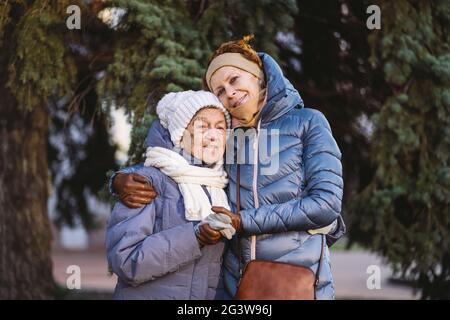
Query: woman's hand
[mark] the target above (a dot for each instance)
(133, 190)
(207, 235)
(235, 218)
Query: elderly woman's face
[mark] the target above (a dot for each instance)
(235, 87)
(205, 136)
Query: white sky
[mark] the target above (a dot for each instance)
(120, 133)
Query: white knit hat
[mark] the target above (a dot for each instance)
(176, 110)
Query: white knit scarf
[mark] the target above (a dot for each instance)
(190, 180)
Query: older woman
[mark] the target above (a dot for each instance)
(167, 249)
(281, 209)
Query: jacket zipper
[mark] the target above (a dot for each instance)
(255, 187)
(255, 199)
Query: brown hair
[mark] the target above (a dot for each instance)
(237, 46)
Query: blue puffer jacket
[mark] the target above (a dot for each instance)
(293, 187)
(154, 250)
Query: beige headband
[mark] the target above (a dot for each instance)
(232, 59)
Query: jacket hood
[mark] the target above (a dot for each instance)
(281, 95)
(158, 136)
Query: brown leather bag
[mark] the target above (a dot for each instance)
(272, 280)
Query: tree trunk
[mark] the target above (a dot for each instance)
(25, 234)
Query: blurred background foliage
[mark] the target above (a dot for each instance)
(385, 93)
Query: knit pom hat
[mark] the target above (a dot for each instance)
(176, 110)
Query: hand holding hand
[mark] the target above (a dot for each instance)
(235, 218)
(222, 223)
(206, 235)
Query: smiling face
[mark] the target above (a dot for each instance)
(205, 136)
(235, 87)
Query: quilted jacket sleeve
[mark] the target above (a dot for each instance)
(136, 253)
(320, 203)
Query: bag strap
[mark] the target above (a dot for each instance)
(238, 208)
(238, 188)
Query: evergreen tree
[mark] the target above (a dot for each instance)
(41, 61)
(32, 66)
(162, 46)
(46, 69)
(158, 46)
(326, 57)
(404, 213)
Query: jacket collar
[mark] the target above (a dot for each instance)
(281, 94)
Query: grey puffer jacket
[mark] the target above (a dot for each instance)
(154, 250)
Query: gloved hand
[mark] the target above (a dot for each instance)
(133, 190)
(235, 218)
(222, 223)
(324, 230)
(206, 235)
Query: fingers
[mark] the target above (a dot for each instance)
(208, 235)
(133, 201)
(235, 218)
(148, 195)
(202, 239)
(134, 198)
(138, 186)
(221, 210)
(118, 182)
(131, 204)
(210, 232)
(141, 200)
(130, 183)
(137, 192)
(138, 178)
(137, 182)
(134, 190)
